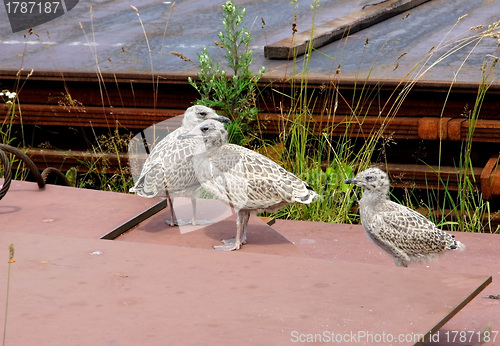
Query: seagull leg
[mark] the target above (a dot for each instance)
(173, 218)
(235, 243)
(174, 221)
(193, 205)
(245, 226)
(194, 221)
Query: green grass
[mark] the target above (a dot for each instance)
(102, 174)
(324, 160)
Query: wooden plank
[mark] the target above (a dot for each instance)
(82, 160)
(398, 127)
(336, 29)
(427, 177)
(490, 178)
(136, 118)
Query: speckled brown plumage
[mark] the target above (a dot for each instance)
(402, 232)
(168, 170)
(242, 178)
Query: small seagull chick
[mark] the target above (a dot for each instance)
(243, 179)
(402, 232)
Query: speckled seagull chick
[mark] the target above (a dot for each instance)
(243, 179)
(402, 232)
(168, 170)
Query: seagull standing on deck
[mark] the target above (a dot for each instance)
(243, 179)
(168, 170)
(402, 232)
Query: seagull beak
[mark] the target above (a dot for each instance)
(224, 119)
(350, 181)
(187, 135)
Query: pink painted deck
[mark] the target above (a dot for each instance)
(69, 211)
(162, 285)
(349, 243)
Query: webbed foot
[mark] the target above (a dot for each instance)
(229, 245)
(201, 222)
(180, 222)
(177, 222)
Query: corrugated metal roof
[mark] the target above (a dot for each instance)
(112, 35)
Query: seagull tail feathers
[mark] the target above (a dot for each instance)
(310, 197)
(459, 246)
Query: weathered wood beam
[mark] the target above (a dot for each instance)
(336, 29)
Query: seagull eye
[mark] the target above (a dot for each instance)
(203, 114)
(369, 178)
(204, 129)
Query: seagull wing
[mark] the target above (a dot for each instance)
(247, 179)
(410, 230)
(168, 167)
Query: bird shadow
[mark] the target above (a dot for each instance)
(258, 231)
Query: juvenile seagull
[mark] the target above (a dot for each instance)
(402, 232)
(168, 170)
(243, 179)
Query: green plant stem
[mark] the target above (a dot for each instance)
(6, 305)
(11, 260)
